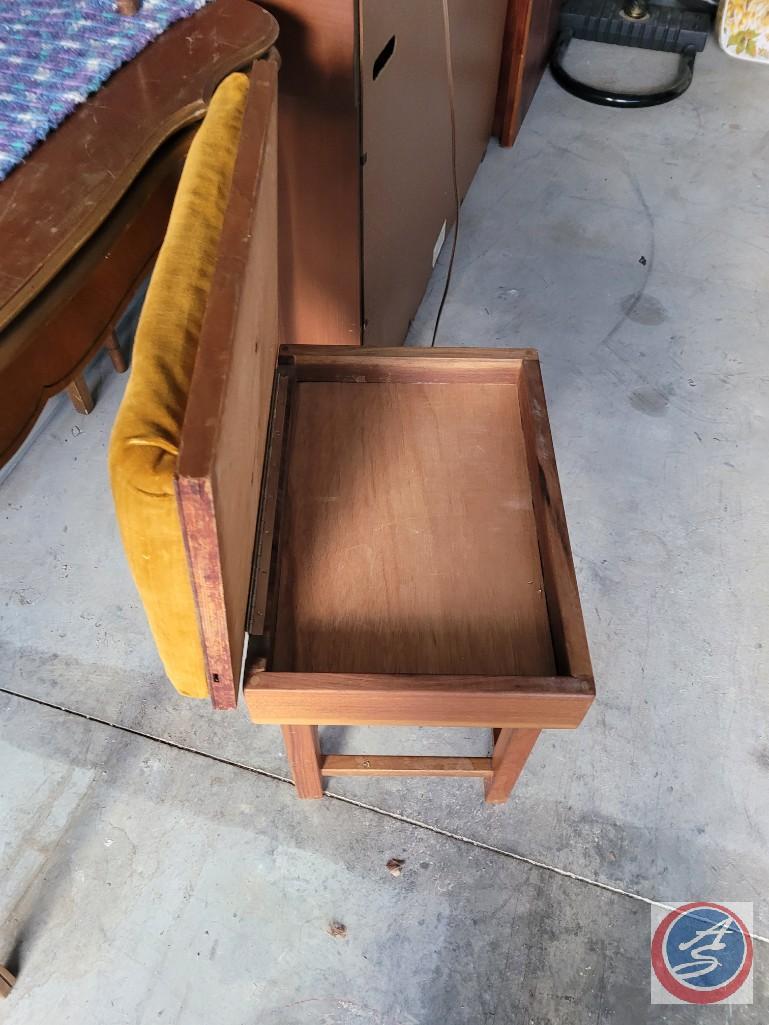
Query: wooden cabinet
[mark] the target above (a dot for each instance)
(365, 158)
(530, 30)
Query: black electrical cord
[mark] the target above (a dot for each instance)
(452, 112)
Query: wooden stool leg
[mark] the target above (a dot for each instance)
(303, 750)
(115, 353)
(80, 394)
(7, 981)
(511, 749)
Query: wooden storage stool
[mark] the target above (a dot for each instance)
(373, 536)
(412, 563)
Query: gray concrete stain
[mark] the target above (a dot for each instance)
(652, 401)
(644, 309)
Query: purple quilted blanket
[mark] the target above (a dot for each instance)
(53, 53)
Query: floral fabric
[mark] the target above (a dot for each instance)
(743, 29)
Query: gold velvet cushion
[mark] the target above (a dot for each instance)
(144, 447)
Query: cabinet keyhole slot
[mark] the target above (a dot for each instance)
(386, 53)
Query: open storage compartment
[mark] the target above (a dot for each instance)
(374, 536)
(416, 541)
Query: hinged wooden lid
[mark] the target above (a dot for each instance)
(225, 425)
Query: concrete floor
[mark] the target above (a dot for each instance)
(155, 865)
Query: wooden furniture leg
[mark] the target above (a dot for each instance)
(80, 394)
(115, 353)
(511, 749)
(7, 981)
(303, 750)
(78, 390)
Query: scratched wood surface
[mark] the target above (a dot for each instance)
(55, 200)
(409, 543)
(82, 218)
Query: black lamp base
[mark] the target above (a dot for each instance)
(630, 23)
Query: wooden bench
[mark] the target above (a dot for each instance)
(373, 536)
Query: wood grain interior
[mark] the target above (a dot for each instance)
(409, 543)
(567, 626)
